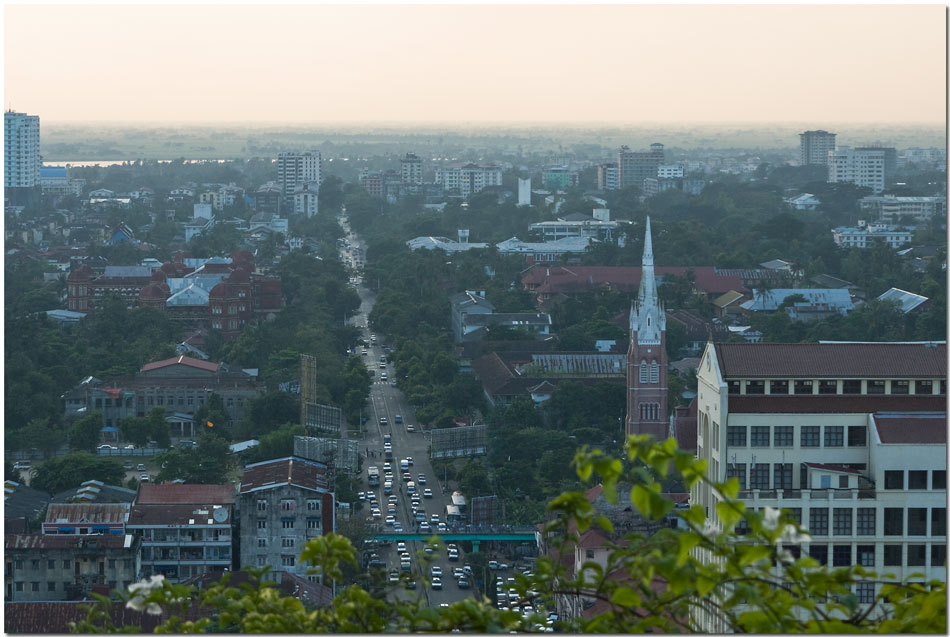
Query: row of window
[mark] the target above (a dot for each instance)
(67, 564)
(51, 586)
(916, 479)
(285, 560)
(152, 400)
(289, 523)
(285, 542)
(288, 504)
(784, 436)
(866, 518)
(866, 555)
(848, 386)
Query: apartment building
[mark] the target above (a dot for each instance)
(306, 199)
(864, 235)
(815, 146)
(21, 150)
(635, 166)
(860, 166)
(295, 168)
(68, 567)
(891, 209)
(185, 529)
(468, 179)
(849, 437)
(410, 168)
(608, 176)
(284, 503)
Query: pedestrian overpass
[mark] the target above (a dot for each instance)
(476, 537)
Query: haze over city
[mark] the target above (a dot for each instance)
(475, 319)
(476, 64)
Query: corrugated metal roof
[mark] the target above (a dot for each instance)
(30, 542)
(569, 363)
(87, 513)
(908, 300)
(127, 272)
(832, 360)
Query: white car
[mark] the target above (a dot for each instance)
(424, 527)
(442, 527)
(436, 584)
(401, 547)
(436, 571)
(427, 493)
(422, 479)
(143, 477)
(390, 520)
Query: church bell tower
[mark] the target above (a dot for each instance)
(647, 389)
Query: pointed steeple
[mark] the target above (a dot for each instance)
(647, 317)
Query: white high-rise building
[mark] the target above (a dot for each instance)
(524, 192)
(21, 150)
(411, 166)
(468, 179)
(860, 166)
(294, 169)
(306, 201)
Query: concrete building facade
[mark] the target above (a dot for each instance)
(815, 146)
(284, 503)
(68, 567)
(185, 529)
(860, 166)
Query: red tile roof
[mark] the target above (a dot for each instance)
(832, 360)
(172, 493)
(54, 617)
(578, 279)
(912, 428)
(181, 360)
(834, 403)
(297, 472)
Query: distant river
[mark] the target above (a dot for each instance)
(114, 162)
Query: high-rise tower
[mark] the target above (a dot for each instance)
(647, 389)
(21, 155)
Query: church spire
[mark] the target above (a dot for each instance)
(647, 317)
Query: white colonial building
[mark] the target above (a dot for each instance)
(850, 438)
(864, 235)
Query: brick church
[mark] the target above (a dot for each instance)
(647, 388)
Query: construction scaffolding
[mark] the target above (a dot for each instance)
(343, 455)
(459, 442)
(316, 418)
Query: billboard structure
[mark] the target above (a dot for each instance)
(342, 455)
(316, 418)
(459, 442)
(487, 510)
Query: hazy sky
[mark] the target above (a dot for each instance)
(485, 63)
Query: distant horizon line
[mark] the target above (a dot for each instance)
(486, 123)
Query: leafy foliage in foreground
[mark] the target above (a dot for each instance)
(750, 582)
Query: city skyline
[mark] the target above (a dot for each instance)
(477, 65)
